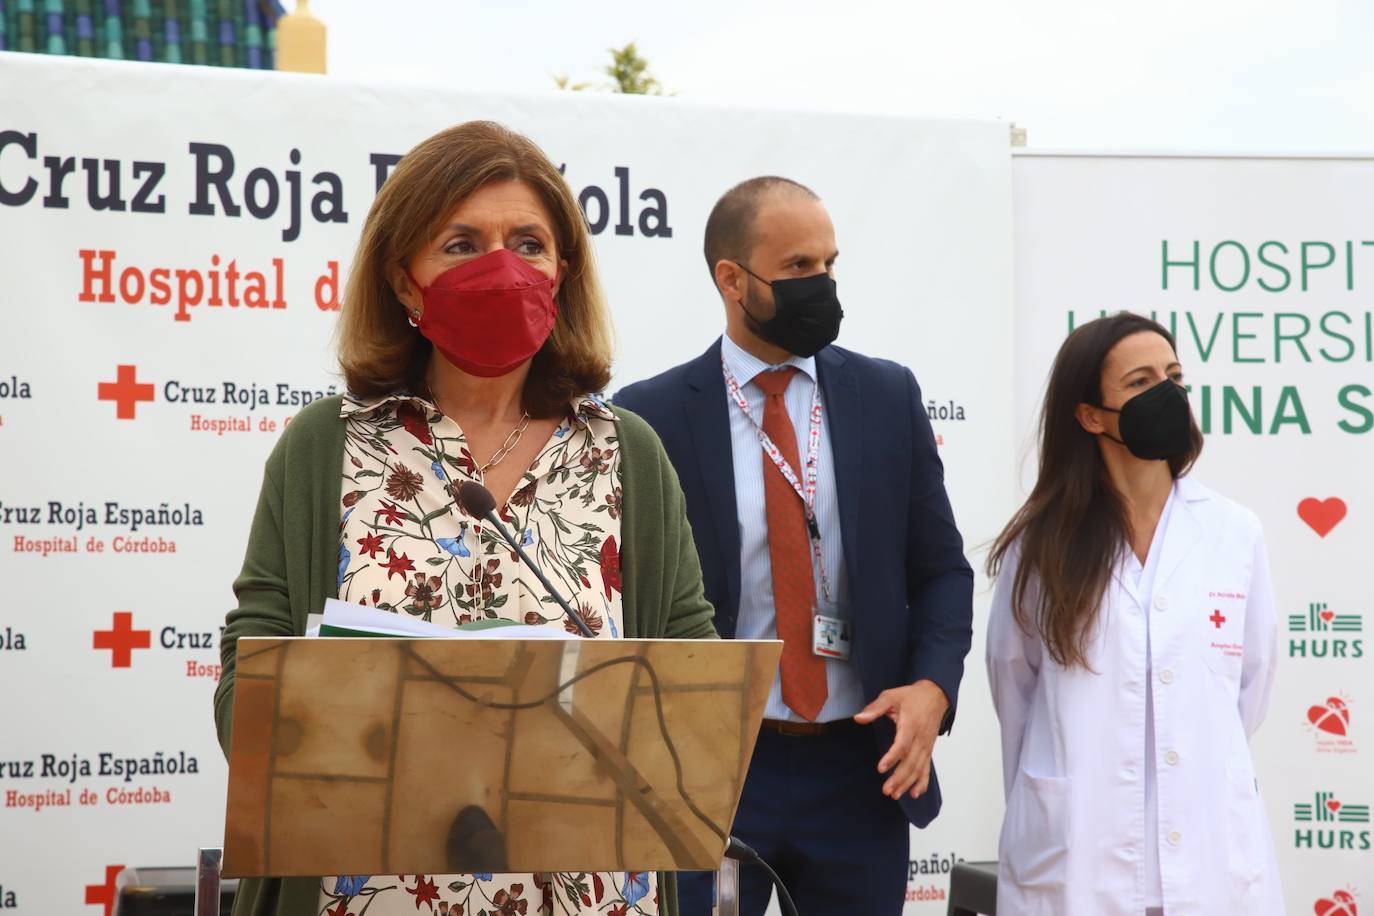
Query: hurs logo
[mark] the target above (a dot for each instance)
(1327, 822)
(1323, 633)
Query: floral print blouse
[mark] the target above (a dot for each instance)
(406, 547)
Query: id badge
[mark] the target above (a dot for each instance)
(830, 637)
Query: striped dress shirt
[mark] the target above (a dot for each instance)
(757, 618)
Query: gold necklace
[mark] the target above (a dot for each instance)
(511, 441)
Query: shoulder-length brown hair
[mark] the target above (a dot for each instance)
(1072, 529)
(379, 351)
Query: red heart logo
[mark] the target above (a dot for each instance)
(1341, 904)
(1327, 615)
(1322, 515)
(1328, 720)
(1333, 806)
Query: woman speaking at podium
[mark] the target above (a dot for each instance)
(474, 338)
(1131, 650)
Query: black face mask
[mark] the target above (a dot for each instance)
(1156, 424)
(806, 316)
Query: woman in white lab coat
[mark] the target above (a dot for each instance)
(1131, 649)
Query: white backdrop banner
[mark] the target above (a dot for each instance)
(173, 243)
(1264, 271)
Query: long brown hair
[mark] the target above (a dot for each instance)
(380, 352)
(1073, 527)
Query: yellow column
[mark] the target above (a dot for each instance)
(300, 41)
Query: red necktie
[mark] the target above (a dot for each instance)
(804, 686)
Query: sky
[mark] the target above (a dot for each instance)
(1165, 75)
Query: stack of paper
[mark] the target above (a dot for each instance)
(344, 619)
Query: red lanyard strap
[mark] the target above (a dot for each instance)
(806, 491)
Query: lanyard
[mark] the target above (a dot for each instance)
(805, 490)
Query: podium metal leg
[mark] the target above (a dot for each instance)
(727, 888)
(208, 862)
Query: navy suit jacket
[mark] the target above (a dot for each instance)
(911, 589)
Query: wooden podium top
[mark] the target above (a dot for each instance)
(381, 756)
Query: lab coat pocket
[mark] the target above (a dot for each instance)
(1035, 838)
(1222, 636)
(1247, 851)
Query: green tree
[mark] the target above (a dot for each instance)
(563, 81)
(629, 72)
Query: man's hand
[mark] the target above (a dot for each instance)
(917, 710)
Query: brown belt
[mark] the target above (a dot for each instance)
(805, 729)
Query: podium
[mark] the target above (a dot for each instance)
(441, 756)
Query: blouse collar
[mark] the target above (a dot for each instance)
(583, 407)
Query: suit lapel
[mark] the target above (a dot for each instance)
(840, 390)
(708, 421)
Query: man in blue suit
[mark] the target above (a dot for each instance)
(818, 504)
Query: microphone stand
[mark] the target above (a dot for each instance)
(741, 852)
(491, 519)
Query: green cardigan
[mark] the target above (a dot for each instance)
(292, 562)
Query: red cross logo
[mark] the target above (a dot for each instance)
(104, 894)
(1217, 619)
(121, 639)
(126, 391)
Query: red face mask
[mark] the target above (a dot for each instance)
(490, 314)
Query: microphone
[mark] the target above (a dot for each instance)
(477, 501)
(474, 843)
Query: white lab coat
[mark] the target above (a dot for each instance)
(1073, 741)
